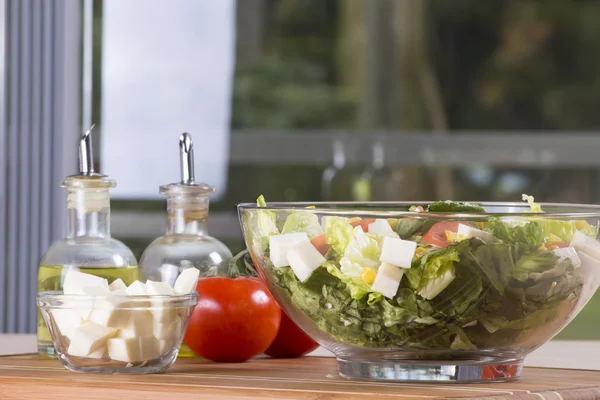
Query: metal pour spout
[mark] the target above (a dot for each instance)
(186, 147)
(86, 155)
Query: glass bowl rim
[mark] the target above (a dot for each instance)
(366, 208)
(51, 298)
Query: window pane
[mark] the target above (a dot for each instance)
(419, 68)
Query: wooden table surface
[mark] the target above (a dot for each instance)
(554, 354)
(31, 377)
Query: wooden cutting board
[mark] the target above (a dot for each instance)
(31, 377)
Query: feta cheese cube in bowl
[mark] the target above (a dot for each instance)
(117, 332)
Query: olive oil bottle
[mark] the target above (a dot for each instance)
(186, 243)
(88, 245)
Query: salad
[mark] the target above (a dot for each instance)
(425, 283)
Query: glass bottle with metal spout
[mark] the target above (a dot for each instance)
(186, 243)
(88, 245)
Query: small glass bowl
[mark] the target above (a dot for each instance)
(147, 330)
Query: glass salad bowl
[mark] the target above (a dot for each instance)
(443, 291)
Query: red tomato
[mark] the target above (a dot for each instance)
(234, 320)
(364, 223)
(436, 236)
(291, 341)
(320, 243)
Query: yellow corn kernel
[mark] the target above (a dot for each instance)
(543, 247)
(421, 251)
(581, 225)
(367, 275)
(554, 239)
(481, 225)
(393, 222)
(450, 236)
(311, 207)
(355, 219)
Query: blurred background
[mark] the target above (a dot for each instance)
(297, 100)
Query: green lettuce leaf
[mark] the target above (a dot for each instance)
(454, 206)
(406, 228)
(303, 221)
(357, 256)
(357, 288)
(261, 224)
(465, 290)
(534, 207)
(267, 220)
(462, 342)
(438, 272)
(565, 229)
(530, 233)
(338, 233)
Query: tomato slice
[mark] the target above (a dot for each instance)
(363, 223)
(320, 243)
(494, 372)
(436, 236)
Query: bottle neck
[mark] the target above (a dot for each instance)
(88, 213)
(187, 214)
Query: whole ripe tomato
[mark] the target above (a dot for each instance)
(436, 236)
(234, 320)
(291, 341)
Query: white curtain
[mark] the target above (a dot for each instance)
(167, 68)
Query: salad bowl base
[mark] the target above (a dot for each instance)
(430, 371)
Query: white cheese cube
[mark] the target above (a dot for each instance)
(397, 252)
(381, 227)
(187, 281)
(85, 306)
(167, 331)
(361, 237)
(90, 337)
(161, 308)
(387, 280)
(279, 246)
(583, 243)
(111, 312)
(163, 311)
(164, 346)
(141, 323)
(137, 288)
(570, 253)
(94, 290)
(589, 270)
(75, 281)
(158, 288)
(117, 285)
(98, 354)
(304, 258)
(134, 349)
(66, 320)
(469, 232)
